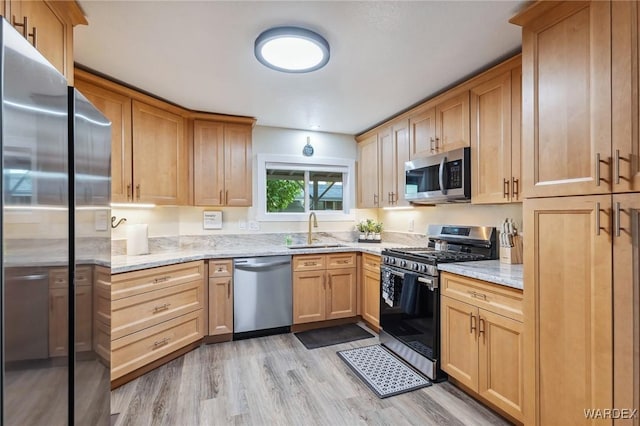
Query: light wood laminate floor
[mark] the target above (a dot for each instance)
(275, 380)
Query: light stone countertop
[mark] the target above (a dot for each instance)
(124, 263)
(488, 270)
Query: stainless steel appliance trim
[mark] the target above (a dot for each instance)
(426, 366)
(432, 283)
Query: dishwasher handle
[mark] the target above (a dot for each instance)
(259, 266)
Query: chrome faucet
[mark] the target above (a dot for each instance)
(315, 225)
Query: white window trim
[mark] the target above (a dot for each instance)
(295, 162)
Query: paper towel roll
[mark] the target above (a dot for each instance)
(137, 241)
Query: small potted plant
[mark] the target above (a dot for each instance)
(377, 229)
(371, 229)
(362, 228)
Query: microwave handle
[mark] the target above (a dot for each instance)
(441, 175)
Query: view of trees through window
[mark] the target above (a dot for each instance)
(286, 191)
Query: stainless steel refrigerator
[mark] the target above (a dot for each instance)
(55, 244)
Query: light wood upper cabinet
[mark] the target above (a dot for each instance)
(368, 187)
(117, 108)
(440, 127)
(568, 308)
(387, 167)
(566, 98)
(160, 156)
(48, 26)
(402, 148)
(222, 164)
(495, 141)
(626, 95)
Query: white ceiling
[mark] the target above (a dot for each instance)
(385, 56)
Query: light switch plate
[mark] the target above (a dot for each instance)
(242, 225)
(254, 226)
(212, 220)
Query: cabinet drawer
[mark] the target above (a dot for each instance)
(83, 275)
(58, 278)
(220, 268)
(309, 262)
(135, 313)
(341, 260)
(138, 282)
(102, 341)
(371, 262)
(102, 295)
(139, 349)
(492, 297)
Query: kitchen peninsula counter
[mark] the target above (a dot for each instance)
(492, 271)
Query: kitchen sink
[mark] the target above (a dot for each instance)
(316, 245)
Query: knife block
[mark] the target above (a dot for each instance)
(512, 255)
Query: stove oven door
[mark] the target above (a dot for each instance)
(410, 310)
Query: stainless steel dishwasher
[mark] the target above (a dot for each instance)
(262, 294)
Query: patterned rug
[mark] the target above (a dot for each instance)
(385, 374)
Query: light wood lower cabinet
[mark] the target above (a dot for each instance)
(481, 349)
(371, 290)
(324, 287)
(155, 312)
(220, 297)
(102, 313)
(59, 310)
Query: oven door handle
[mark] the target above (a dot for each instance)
(441, 175)
(431, 283)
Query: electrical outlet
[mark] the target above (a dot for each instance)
(242, 225)
(254, 226)
(411, 224)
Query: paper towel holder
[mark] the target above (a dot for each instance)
(113, 219)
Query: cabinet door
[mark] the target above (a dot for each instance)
(208, 163)
(341, 293)
(309, 302)
(368, 178)
(160, 166)
(491, 141)
(83, 318)
(459, 351)
(568, 307)
(566, 100)
(626, 95)
(117, 108)
(388, 167)
(500, 357)
(422, 133)
(47, 32)
(371, 298)
(238, 163)
(402, 154)
(58, 321)
(626, 299)
(220, 306)
(516, 134)
(452, 123)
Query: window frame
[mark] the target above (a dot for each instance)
(346, 167)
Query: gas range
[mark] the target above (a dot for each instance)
(446, 243)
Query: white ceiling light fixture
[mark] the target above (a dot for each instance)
(292, 49)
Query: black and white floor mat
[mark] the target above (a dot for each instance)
(385, 374)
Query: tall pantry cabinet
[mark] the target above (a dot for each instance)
(580, 140)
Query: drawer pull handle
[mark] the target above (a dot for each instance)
(310, 263)
(159, 343)
(220, 269)
(162, 279)
(343, 261)
(161, 308)
(478, 295)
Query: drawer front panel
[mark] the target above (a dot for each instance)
(309, 262)
(371, 262)
(139, 349)
(135, 313)
(492, 297)
(102, 295)
(220, 268)
(341, 260)
(102, 341)
(58, 278)
(139, 282)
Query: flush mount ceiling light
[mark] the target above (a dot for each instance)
(292, 49)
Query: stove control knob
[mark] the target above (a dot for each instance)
(403, 263)
(392, 261)
(423, 268)
(416, 267)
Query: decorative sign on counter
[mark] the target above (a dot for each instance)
(212, 220)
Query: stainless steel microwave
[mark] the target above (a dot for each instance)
(440, 178)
